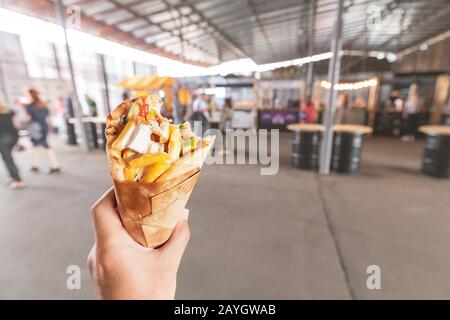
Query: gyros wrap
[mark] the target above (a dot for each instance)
(154, 165)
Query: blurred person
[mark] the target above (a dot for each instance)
(8, 139)
(60, 115)
(201, 105)
(20, 114)
(176, 111)
(227, 115)
(226, 118)
(360, 102)
(188, 112)
(411, 113)
(125, 95)
(185, 100)
(213, 112)
(200, 112)
(212, 106)
(341, 108)
(397, 100)
(387, 106)
(309, 111)
(38, 127)
(123, 269)
(356, 113)
(92, 105)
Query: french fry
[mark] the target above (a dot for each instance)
(173, 127)
(164, 130)
(121, 141)
(124, 136)
(130, 173)
(175, 142)
(149, 159)
(154, 171)
(189, 162)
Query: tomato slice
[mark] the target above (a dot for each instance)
(143, 111)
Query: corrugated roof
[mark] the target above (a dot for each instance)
(214, 31)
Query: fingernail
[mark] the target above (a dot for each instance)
(185, 214)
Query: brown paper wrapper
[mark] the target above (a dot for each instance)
(150, 211)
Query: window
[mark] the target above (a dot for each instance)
(39, 58)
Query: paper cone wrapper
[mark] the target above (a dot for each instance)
(150, 211)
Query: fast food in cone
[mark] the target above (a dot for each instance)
(154, 165)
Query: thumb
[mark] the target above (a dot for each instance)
(175, 246)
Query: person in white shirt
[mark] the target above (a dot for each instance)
(411, 113)
(200, 112)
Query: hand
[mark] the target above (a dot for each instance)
(123, 269)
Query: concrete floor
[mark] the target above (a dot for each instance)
(295, 235)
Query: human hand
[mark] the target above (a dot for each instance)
(123, 269)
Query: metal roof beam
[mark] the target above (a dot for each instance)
(108, 11)
(258, 22)
(228, 41)
(79, 2)
(149, 13)
(44, 9)
(137, 15)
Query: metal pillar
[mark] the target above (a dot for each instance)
(309, 72)
(55, 57)
(333, 78)
(105, 82)
(75, 101)
(135, 68)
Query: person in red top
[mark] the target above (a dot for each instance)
(309, 111)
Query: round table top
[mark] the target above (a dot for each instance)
(352, 128)
(308, 127)
(435, 130)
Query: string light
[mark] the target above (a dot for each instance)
(347, 86)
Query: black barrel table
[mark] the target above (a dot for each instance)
(70, 131)
(347, 146)
(305, 145)
(436, 158)
(96, 124)
(92, 125)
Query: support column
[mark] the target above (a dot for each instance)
(309, 72)
(333, 78)
(57, 64)
(75, 101)
(105, 82)
(135, 68)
